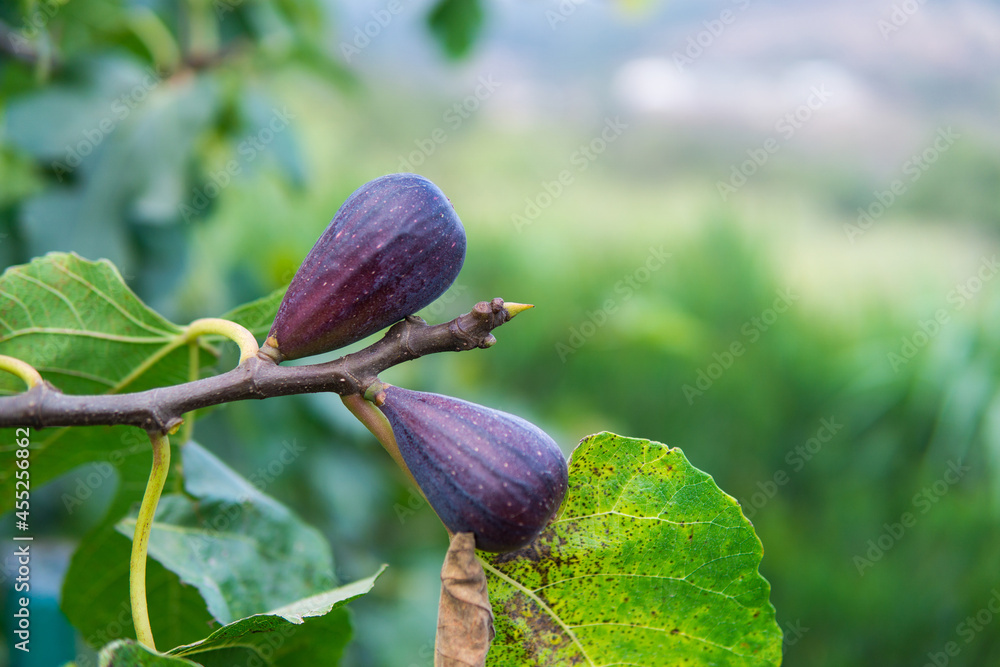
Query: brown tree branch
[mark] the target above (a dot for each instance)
(256, 378)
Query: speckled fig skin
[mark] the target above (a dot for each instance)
(483, 471)
(393, 247)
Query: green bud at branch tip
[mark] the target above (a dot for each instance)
(515, 308)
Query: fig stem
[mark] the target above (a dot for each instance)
(269, 350)
(21, 369)
(140, 539)
(378, 425)
(231, 330)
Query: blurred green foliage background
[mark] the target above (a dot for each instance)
(836, 373)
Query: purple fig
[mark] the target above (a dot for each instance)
(483, 471)
(394, 247)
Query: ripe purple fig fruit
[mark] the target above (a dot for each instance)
(394, 247)
(483, 471)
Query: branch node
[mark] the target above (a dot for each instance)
(465, 340)
(252, 367)
(258, 375)
(483, 309)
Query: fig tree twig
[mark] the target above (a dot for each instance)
(160, 410)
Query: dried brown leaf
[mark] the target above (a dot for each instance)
(465, 618)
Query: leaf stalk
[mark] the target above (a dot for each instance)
(140, 539)
(23, 370)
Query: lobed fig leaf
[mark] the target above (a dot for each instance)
(483, 471)
(394, 247)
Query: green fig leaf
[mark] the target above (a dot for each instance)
(128, 653)
(647, 563)
(84, 330)
(311, 631)
(245, 552)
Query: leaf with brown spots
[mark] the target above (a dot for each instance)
(647, 563)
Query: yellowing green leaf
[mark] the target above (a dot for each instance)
(648, 563)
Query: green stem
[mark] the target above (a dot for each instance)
(203, 30)
(231, 330)
(146, 25)
(140, 541)
(375, 421)
(203, 327)
(21, 369)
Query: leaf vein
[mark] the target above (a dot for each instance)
(52, 290)
(639, 576)
(114, 304)
(59, 331)
(23, 307)
(728, 649)
(541, 603)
